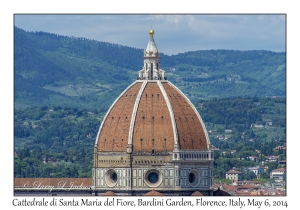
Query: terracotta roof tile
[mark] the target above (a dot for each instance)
(153, 193)
(109, 193)
(191, 134)
(114, 133)
(153, 126)
(248, 186)
(197, 193)
(232, 171)
(279, 169)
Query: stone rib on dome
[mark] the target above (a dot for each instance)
(191, 130)
(151, 125)
(113, 132)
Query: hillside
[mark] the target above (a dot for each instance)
(55, 70)
(58, 142)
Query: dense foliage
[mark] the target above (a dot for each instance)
(54, 142)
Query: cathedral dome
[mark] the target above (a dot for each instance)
(152, 137)
(152, 116)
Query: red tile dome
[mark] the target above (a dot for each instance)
(149, 115)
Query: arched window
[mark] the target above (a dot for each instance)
(151, 71)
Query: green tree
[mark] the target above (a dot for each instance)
(261, 157)
(250, 175)
(264, 175)
(271, 166)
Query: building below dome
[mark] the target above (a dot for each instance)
(152, 138)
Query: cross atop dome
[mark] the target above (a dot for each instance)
(151, 69)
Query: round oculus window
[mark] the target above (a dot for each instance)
(153, 178)
(111, 178)
(194, 178)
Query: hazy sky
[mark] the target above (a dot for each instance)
(173, 33)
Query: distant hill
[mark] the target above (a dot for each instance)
(55, 70)
(58, 142)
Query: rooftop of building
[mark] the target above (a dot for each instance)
(233, 171)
